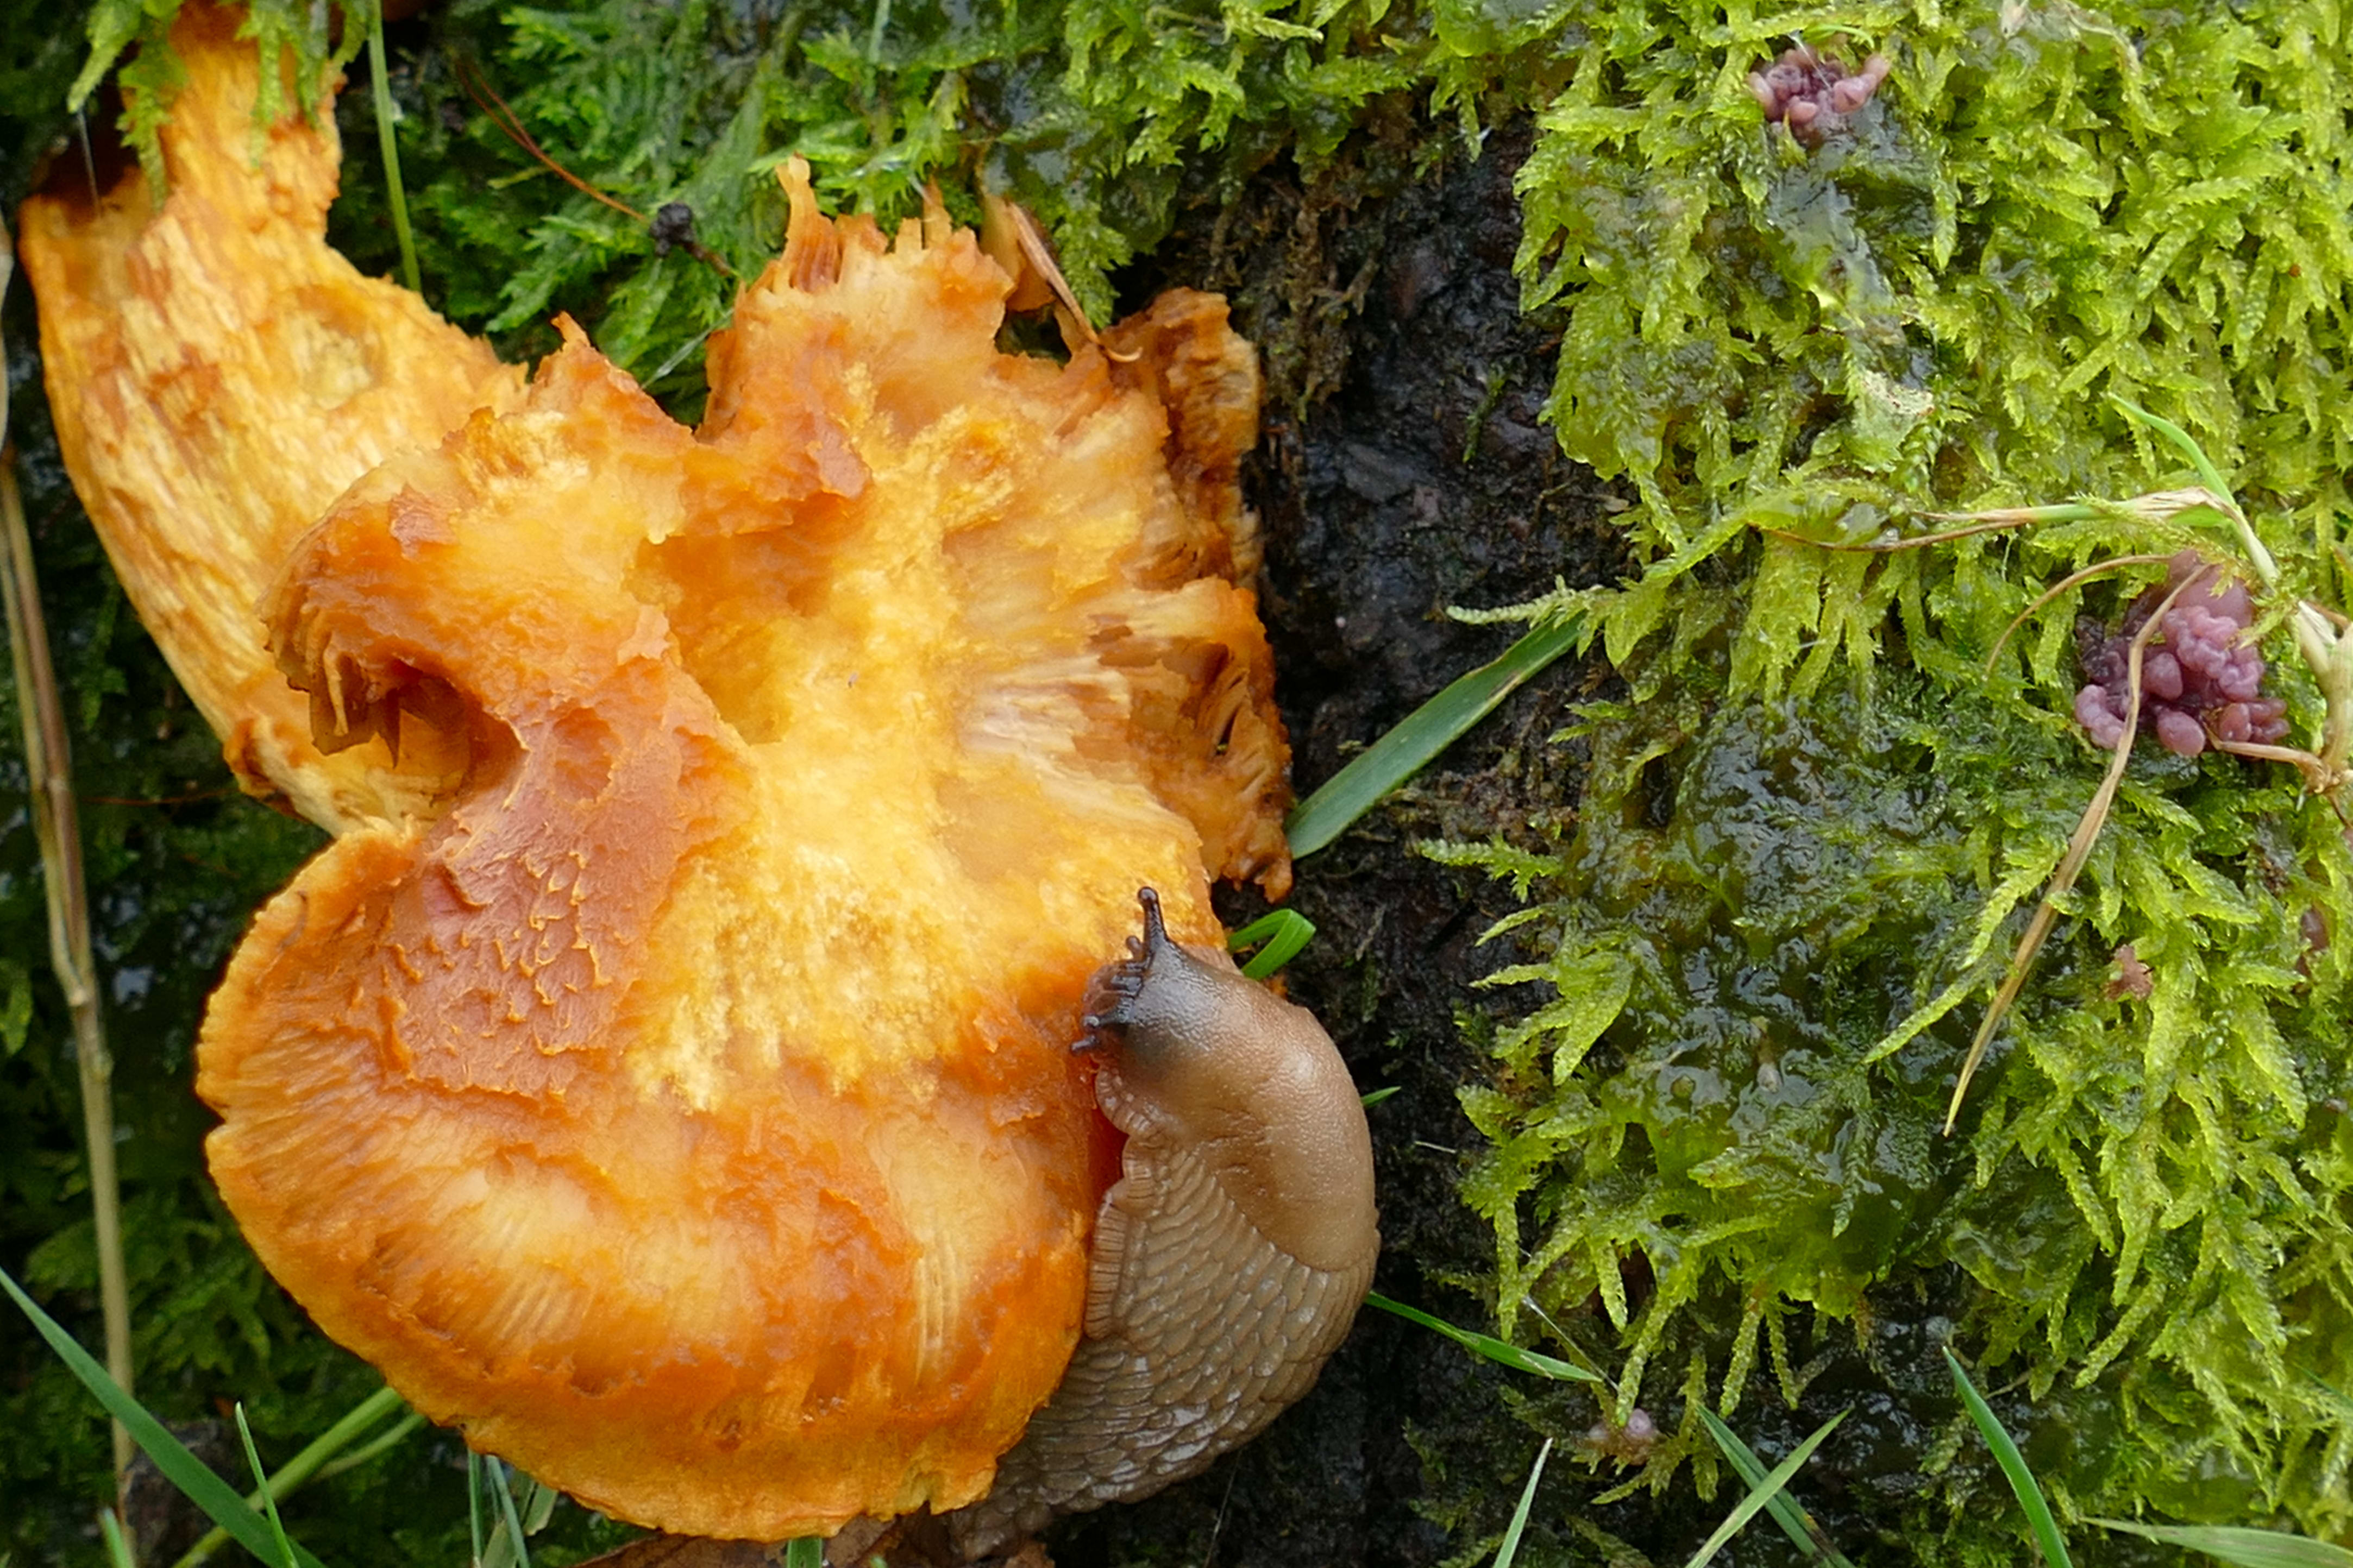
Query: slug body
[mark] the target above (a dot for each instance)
(1229, 1258)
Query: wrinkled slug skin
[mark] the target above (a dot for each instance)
(1229, 1258)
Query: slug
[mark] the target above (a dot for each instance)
(1229, 1258)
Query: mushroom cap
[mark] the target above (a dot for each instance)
(681, 1101)
(218, 376)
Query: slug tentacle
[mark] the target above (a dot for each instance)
(1229, 1258)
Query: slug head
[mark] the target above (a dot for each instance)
(1198, 1052)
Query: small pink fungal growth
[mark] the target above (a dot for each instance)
(2133, 977)
(1812, 93)
(2200, 680)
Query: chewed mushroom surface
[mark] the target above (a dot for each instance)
(218, 376)
(684, 1105)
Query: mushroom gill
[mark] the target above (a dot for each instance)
(218, 375)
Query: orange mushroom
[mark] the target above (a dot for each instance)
(664, 1075)
(218, 376)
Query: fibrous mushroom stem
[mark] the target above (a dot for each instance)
(1227, 1262)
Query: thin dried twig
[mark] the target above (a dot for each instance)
(50, 772)
(1919, 541)
(2079, 849)
(2085, 575)
(1014, 240)
(487, 100)
(2320, 778)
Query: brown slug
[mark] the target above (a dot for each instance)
(1228, 1260)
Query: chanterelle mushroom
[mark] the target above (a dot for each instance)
(665, 1074)
(218, 375)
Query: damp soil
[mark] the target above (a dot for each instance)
(1405, 470)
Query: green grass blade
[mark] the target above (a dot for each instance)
(2245, 1548)
(2182, 441)
(1511, 1547)
(394, 1435)
(1421, 735)
(311, 1462)
(215, 1496)
(118, 1549)
(333, 1440)
(1278, 938)
(538, 1505)
(380, 78)
(808, 1552)
(1499, 1350)
(2013, 1465)
(1374, 1097)
(474, 1503)
(1762, 1493)
(505, 1489)
(1795, 1522)
(268, 1499)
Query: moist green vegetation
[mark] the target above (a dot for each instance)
(2046, 203)
(1772, 934)
(1812, 825)
(1088, 114)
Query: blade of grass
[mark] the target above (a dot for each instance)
(1511, 1546)
(474, 1503)
(1762, 1493)
(118, 1545)
(2013, 1465)
(269, 1499)
(1499, 1350)
(538, 1505)
(808, 1552)
(501, 1485)
(49, 765)
(1374, 1097)
(1278, 937)
(380, 79)
(1795, 1522)
(2183, 442)
(215, 1496)
(1422, 734)
(2245, 1547)
(311, 1461)
(397, 1434)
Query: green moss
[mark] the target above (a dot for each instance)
(2044, 203)
(1801, 862)
(1771, 936)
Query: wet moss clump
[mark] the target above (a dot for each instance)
(1817, 823)
(1770, 938)
(2043, 204)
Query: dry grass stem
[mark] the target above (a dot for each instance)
(2078, 849)
(2072, 580)
(49, 765)
(1892, 546)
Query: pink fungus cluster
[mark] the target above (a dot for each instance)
(2200, 680)
(1812, 93)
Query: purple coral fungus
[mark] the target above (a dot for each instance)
(2200, 680)
(1813, 93)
